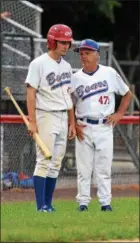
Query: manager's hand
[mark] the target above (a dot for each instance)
(114, 118)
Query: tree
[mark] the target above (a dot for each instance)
(107, 8)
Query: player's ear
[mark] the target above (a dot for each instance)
(98, 56)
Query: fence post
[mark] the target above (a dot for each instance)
(32, 48)
(131, 111)
(110, 53)
(38, 30)
(2, 144)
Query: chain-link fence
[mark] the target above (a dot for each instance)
(18, 154)
(24, 18)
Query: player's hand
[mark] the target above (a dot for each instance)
(71, 132)
(32, 128)
(79, 131)
(114, 118)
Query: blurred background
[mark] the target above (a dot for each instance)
(115, 25)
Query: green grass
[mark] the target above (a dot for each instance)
(21, 223)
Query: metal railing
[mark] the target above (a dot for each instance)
(117, 66)
(25, 18)
(17, 52)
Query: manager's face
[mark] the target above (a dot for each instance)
(88, 56)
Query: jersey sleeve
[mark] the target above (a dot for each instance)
(73, 89)
(121, 88)
(33, 75)
(73, 83)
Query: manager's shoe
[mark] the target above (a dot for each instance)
(106, 208)
(83, 208)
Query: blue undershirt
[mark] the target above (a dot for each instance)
(91, 73)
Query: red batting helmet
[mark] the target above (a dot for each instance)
(58, 32)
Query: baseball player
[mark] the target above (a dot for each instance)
(94, 87)
(50, 110)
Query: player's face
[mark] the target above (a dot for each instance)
(88, 57)
(62, 47)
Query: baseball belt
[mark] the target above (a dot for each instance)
(91, 121)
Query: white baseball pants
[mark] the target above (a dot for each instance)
(53, 129)
(94, 155)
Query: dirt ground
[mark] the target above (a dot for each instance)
(18, 194)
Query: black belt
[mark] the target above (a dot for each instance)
(59, 111)
(91, 121)
(52, 110)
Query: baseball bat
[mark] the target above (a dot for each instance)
(36, 136)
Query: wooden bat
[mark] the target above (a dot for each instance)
(36, 136)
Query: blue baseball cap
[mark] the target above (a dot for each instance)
(88, 44)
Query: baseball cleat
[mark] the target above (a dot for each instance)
(83, 208)
(106, 208)
(49, 209)
(53, 209)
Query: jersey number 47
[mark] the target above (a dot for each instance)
(104, 100)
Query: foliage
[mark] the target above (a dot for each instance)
(107, 8)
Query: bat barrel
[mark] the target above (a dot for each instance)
(36, 137)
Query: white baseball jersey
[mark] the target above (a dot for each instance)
(52, 80)
(94, 95)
